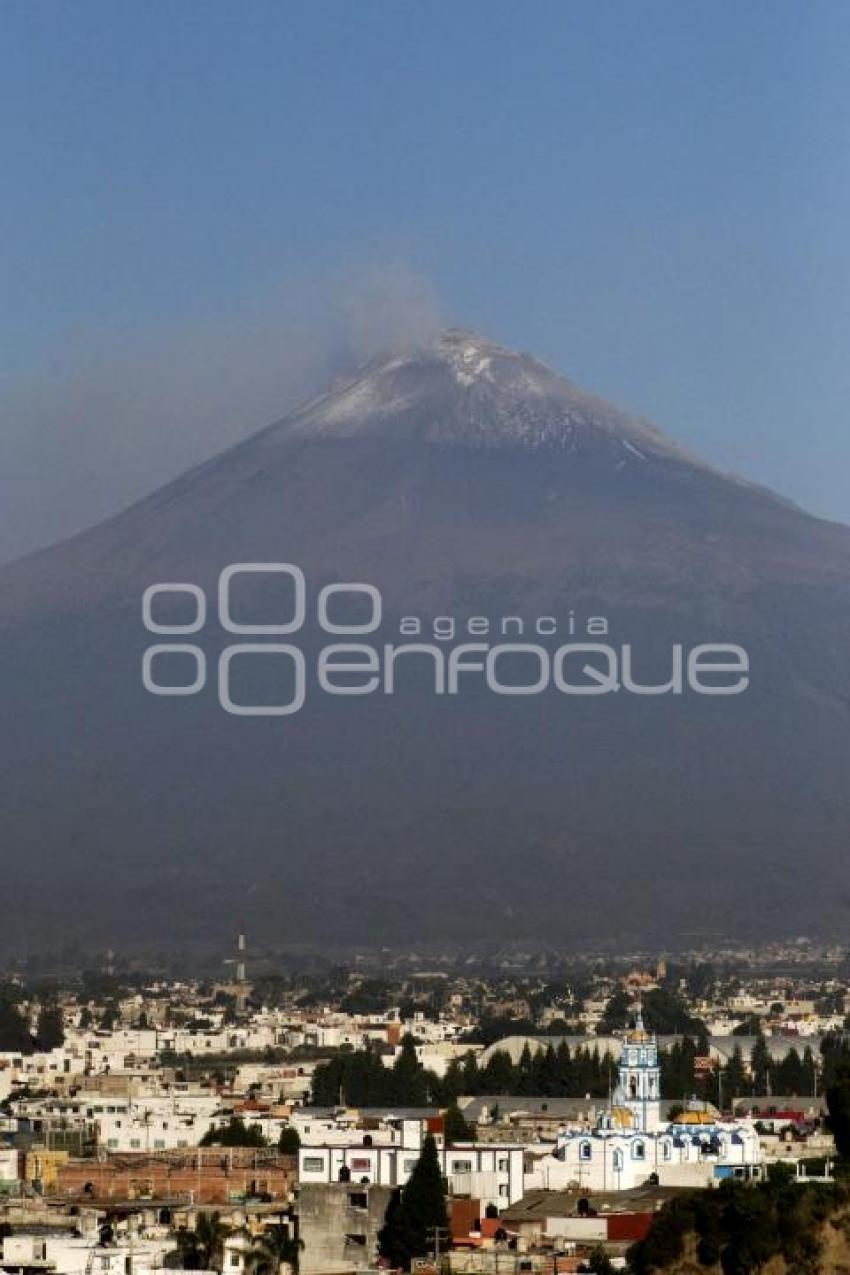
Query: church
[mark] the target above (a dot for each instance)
(630, 1143)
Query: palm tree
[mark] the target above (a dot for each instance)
(203, 1248)
(187, 1256)
(211, 1233)
(274, 1247)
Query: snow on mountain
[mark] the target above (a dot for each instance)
(465, 389)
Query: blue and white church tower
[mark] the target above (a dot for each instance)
(639, 1088)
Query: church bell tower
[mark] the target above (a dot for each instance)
(639, 1089)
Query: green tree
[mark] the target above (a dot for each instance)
(188, 1255)
(455, 1128)
(838, 1106)
(599, 1262)
(234, 1134)
(734, 1077)
(415, 1214)
(392, 1244)
(50, 1032)
(498, 1074)
(760, 1065)
(203, 1248)
(109, 1017)
(274, 1247)
(289, 1141)
(409, 1082)
(667, 1014)
(616, 1015)
(15, 1037)
(751, 1026)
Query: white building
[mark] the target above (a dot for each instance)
(67, 1254)
(629, 1143)
(489, 1172)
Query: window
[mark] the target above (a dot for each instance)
(503, 1190)
(618, 1161)
(313, 1163)
(409, 1166)
(585, 1151)
(504, 1164)
(462, 1166)
(135, 1143)
(358, 1200)
(639, 1151)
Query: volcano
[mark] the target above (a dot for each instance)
(467, 483)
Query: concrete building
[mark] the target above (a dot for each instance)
(339, 1224)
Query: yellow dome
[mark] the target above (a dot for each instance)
(694, 1117)
(623, 1117)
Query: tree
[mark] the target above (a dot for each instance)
(392, 1245)
(498, 1074)
(455, 1128)
(234, 1134)
(838, 1106)
(274, 1247)
(616, 1015)
(751, 1026)
(14, 1033)
(678, 1079)
(408, 1074)
(667, 1014)
(109, 1017)
(188, 1255)
(50, 1032)
(599, 1262)
(415, 1214)
(203, 1248)
(734, 1077)
(360, 1078)
(289, 1141)
(760, 1065)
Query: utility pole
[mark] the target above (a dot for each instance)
(437, 1232)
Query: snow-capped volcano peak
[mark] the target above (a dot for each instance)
(462, 389)
(469, 357)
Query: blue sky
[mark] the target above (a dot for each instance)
(654, 196)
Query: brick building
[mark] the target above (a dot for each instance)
(202, 1175)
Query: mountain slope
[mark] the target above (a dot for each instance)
(463, 480)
